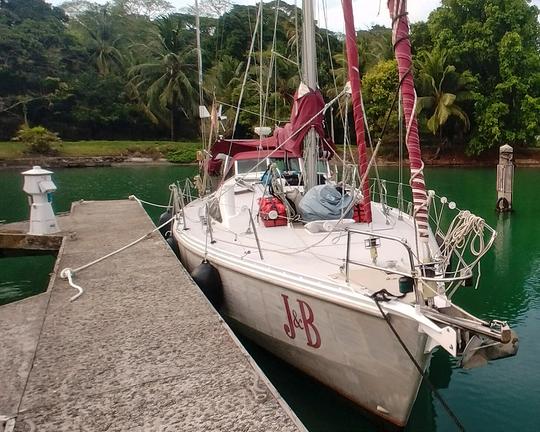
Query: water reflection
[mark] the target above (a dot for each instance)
(503, 242)
(24, 276)
(532, 284)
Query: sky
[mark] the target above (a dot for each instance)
(366, 11)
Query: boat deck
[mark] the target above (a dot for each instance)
(140, 350)
(320, 255)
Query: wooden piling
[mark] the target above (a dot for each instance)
(505, 179)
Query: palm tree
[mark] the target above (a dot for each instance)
(167, 79)
(442, 89)
(374, 46)
(98, 32)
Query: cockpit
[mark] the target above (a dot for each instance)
(253, 165)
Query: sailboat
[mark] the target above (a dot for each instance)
(354, 291)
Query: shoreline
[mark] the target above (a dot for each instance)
(447, 161)
(85, 162)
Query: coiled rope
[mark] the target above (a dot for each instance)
(466, 227)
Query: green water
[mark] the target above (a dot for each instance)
(503, 396)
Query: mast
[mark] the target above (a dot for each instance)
(402, 50)
(203, 112)
(358, 112)
(309, 72)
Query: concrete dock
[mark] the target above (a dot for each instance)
(141, 349)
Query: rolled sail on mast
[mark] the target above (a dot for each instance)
(309, 72)
(354, 79)
(402, 50)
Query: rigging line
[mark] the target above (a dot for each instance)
(251, 112)
(275, 90)
(321, 111)
(272, 60)
(248, 64)
(297, 35)
(379, 141)
(396, 94)
(219, 40)
(325, 14)
(199, 67)
(370, 141)
(346, 138)
(400, 146)
(377, 298)
(260, 84)
(284, 58)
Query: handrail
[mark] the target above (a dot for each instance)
(414, 273)
(387, 237)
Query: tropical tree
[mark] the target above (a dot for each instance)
(497, 40)
(374, 46)
(37, 56)
(148, 8)
(166, 80)
(380, 85)
(97, 29)
(442, 89)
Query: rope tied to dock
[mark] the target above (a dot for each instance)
(68, 273)
(141, 201)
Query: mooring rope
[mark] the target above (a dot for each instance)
(383, 296)
(140, 201)
(68, 273)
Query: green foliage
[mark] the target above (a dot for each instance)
(497, 41)
(185, 153)
(441, 91)
(379, 88)
(153, 149)
(166, 79)
(97, 30)
(127, 70)
(38, 140)
(374, 46)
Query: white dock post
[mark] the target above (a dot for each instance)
(39, 186)
(505, 178)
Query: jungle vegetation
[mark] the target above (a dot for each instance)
(128, 70)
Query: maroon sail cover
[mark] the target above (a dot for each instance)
(402, 49)
(354, 80)
(306, 113)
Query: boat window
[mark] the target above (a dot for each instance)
(250, 165)
(290, 164)
(280, 164)
(322, 166)
(294, 164)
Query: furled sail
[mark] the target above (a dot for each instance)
(402, 50)
(358, 112)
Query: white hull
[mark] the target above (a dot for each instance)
(349, 349)
(305, 293)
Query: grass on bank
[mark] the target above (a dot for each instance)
(180, 152)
